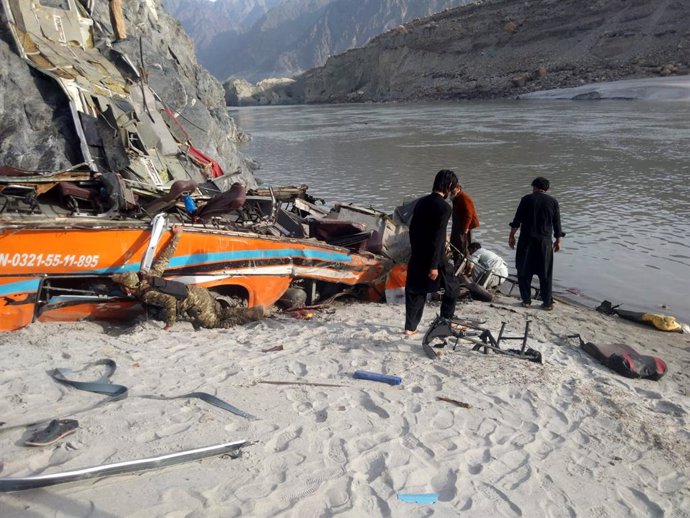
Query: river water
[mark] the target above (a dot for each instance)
(620, 170)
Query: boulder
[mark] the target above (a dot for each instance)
(36, 127)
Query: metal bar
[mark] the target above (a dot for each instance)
(22, 483)
(524, 340)
(500, 333)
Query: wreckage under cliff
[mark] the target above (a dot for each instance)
(64, 233)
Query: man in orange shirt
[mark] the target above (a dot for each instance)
(464, 220)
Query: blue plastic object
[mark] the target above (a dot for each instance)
(418, 498)
(376, 376)
(189, 204)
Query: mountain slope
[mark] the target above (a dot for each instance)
(506, 47)
(296, 35)
(204, 19)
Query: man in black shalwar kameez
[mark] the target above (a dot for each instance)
(428, 267)
(537, 216)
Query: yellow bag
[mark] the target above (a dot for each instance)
(662, 322)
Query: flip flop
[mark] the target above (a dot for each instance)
(56, 430)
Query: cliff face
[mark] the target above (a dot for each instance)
(204, 20)
(36, 130)
(504, 48)
(292, 35)
(36, 127)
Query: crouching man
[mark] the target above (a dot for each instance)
(489, 270)
(194, 303)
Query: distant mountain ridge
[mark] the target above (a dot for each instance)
(203, 19)
(502, 48)
(292, 35)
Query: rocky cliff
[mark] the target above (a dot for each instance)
(36, 126)
(207, 20)
(293, 35)
(503, 48)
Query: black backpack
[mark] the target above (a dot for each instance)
(177, 289)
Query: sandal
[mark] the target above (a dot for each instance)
(56, 430)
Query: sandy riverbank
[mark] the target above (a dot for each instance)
(566, 438)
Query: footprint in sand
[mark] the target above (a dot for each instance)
(443, 420)
(436, 382)
(442, 370)
(298, 369)
(304, 407)
(477, 459)
(645, 507)
(311, 485)
(598, 512)
(368, 404)
(666, 407)
(467, 505)
(503, 504)
(338, 495)
(521, 440)
(413, 407)
(145, 437)
(372, 464)
(649, 394)
(336, 452)
(518, 471)
(321, 416)
(283, 440)
(445, 484)
(172, 430)
(277, 467)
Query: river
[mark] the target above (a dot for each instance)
(620, 170)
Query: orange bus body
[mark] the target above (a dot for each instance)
(262, 267)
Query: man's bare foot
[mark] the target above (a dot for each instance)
(407, 332)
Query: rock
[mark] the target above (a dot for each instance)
(237, 89)
(520, 80)
(36, 127)
(542, 72)
(239, 92)
(36, 130)
(668, 69)
(510, 27)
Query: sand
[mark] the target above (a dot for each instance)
(675, 88)
(566, 438)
